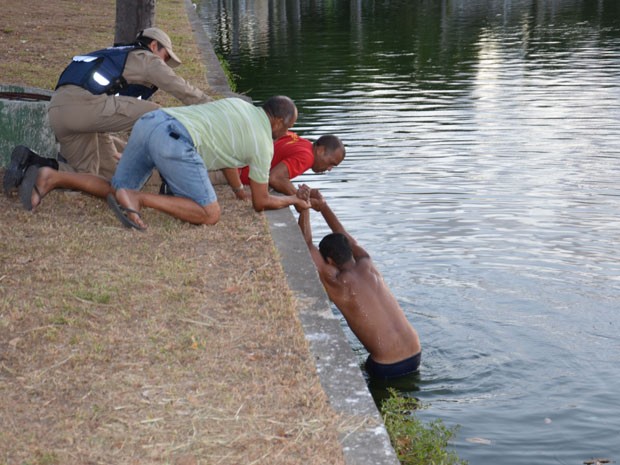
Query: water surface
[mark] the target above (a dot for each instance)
(483, 176)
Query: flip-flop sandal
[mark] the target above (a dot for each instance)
(29, 184)
(121, 213)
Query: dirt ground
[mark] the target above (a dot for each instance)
(180, 345)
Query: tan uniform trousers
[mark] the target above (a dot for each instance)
(82, 123)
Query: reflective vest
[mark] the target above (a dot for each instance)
(101, 72)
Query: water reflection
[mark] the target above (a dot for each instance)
(483, 176)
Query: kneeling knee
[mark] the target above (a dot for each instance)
(212, 213)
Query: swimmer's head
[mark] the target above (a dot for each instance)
(336, 246)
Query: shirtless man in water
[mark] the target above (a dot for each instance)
(357, 288)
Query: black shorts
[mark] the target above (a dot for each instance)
(393, 370)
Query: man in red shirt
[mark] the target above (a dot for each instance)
(293, 155)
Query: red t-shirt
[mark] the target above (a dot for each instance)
(294, 151)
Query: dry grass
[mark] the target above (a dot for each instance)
(38, 38)
(123, 347)
(180, 345)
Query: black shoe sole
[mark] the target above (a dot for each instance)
(16, 170)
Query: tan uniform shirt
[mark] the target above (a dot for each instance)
(82, 121)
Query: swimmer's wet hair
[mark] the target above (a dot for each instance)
(336, 246)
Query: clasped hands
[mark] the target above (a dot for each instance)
(313, 196)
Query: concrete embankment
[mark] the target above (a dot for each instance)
(336, 363)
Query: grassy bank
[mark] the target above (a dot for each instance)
(177, 346)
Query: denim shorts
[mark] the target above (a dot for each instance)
(160, 141)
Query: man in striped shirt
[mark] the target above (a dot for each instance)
(184, 144)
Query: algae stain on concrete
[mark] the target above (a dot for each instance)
(24, 121)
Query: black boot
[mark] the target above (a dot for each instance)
(43, 161)
(22, 158)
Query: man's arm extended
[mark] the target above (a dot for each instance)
(320, 205)
(326, 272)
(262, 200)
(304, 225)
(294, 156)
(279, 180)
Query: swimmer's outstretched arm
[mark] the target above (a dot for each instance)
(320, 205)
(304, 225)
(326, 272)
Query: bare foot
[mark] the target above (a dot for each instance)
(131, 200)
(42, 186)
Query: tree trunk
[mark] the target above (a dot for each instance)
(133, 16)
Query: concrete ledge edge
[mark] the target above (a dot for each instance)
(364, 438)
(337, 366)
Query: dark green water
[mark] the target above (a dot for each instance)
(483, 175)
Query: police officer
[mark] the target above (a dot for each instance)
(105, 92)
